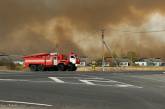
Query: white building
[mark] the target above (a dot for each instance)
(157, 64)
(82, 63)
(141, 63)
(124, 64)
(150, 62)
(18, 62)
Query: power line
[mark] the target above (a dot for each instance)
(151, 31)
(147, 31)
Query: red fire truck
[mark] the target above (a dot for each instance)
(51, 62)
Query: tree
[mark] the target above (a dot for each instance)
(131, 55)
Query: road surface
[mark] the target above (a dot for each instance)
(77, 90)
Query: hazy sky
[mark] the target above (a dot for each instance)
(31, 26)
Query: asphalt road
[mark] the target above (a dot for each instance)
(77, 90)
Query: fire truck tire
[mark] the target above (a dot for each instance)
(61, 67)
(55, 68)
(40, 68)
(75, 68)
(71, 67)
(33, 67)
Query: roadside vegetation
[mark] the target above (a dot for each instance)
(7, 64)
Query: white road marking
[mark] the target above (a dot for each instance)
(16, 80)
(30, 81)
(87, 82)
(26, 103)
(95, 82)
(103, 81)
(56, 79)
(6, 79)
(118, 84)
(124, 85)
(163, 72)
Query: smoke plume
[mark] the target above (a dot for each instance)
(30, 26)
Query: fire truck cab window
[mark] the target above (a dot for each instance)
(72, 57)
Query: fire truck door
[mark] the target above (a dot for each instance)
(73, 59)
(55, 61)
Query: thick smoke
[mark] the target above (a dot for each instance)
(30, 26)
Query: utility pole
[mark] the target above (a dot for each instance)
(103, 52)
(105, 46)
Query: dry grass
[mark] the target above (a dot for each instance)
(119, 69)
(109, 69)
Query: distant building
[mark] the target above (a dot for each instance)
(18, 62)
(150, 62)
(157, 62)
(17, 59)
(141, 63)
(82, 64)
(124, 64)
(85, 61)
(163, 64)
(106, 64)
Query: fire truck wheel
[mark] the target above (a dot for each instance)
(33, 67)
(55, 68)
(71, 67)
(75, 68)
(40, 68)
(61, 67)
